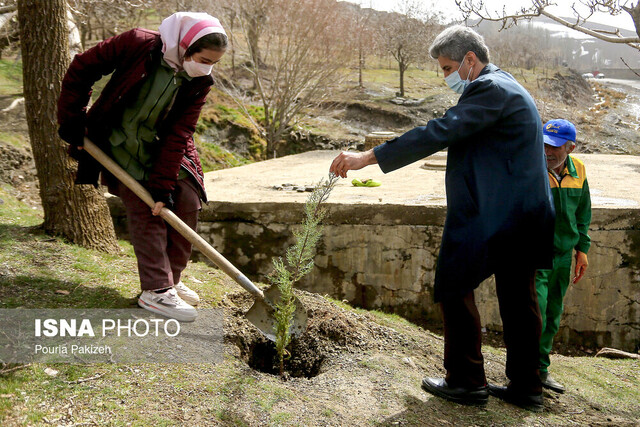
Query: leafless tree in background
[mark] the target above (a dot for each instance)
(361, 35)
(406, 35)
(583, 11)
(101, 19)
(167, 7)
(524, 46)
(255, 17)
(227, 12)
(303, 50)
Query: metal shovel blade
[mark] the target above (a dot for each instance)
(261, 314)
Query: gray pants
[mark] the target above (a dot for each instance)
(162, 253)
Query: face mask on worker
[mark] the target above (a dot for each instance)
(455, 82)
(196, 69)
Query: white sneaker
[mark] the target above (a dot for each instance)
(188, 295)
(168, 304)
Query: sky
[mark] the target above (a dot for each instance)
(449, 9)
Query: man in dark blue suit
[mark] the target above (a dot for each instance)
(500, 216)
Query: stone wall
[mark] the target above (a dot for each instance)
(383, 257)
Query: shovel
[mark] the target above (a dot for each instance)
(261, 313)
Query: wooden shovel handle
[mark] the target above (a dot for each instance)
(173, 220)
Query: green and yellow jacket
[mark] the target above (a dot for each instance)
(573, 207)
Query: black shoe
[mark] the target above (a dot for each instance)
(530, 402)
(550, 383)
(465, 396)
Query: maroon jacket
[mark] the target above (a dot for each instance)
(129, 56)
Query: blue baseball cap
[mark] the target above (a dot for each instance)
(557, 132)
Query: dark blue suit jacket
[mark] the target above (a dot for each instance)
(499, 206)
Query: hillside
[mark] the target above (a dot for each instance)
(606, 114)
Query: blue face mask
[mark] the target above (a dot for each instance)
(455, 82)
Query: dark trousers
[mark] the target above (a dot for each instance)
(162, 253)
(522, 327)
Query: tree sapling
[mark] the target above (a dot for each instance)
(299, 262)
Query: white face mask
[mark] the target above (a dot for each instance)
(455, 82)
(196, 69)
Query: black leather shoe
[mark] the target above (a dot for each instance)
(550, 383)
(530, 402)
(465, 396)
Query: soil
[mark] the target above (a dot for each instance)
(374, 368)
(330, 331)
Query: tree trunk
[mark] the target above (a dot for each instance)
(78, 213)
(271, 137)
(253, 40)
(233, 50)
(634, 11)
(613, 353)
(402, 68)
(360, 67)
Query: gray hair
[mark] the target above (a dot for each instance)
(456, 41)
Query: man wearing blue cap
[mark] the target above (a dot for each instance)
(570, 190)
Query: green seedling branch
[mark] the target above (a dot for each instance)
(299, 262)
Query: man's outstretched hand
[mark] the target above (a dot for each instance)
(347, 161)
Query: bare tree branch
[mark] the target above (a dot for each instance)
(596, 34)
(301, 54)
(477, 9)
(632, 70)
(15, 368)
(8, 9)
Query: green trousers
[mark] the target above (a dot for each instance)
(551, 285)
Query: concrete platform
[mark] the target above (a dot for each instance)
(612, 179)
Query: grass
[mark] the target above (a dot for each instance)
(40, 265)
(417, 82)
(14, 138)
(221, 107)
(10, 77)
(14, 212)
(236, 115)
(222, 118)
(214, 157)
(385, 319)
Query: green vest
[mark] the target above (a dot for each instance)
(572, 201)
(132, 142)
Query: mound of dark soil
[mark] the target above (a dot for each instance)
(366, 114)
(570, 89)
(331, 331)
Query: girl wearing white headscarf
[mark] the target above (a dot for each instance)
(145, 118)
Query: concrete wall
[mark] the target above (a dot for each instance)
(383, 257)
